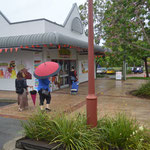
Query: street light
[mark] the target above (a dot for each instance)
(91, 99)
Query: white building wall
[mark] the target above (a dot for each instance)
(28, 58)
(24, 28)
(20, 59)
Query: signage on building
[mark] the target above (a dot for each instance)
(64, 53)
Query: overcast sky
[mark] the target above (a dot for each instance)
(21, 10)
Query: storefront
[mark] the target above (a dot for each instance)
(24, 45)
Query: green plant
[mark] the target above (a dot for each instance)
(120, 133)
(38, 127)
(129, 71)
(142, 78)
(100, 75)
(111, 133)
(144, 90)
(73, 134)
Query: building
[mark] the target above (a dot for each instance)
(26, 44)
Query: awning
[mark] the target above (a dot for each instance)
(45, 38)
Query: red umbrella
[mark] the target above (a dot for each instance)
(46, 70)
(33, 96)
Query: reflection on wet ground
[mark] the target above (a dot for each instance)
(5, 103)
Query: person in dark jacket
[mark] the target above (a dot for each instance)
(22, 91)
(73, 75)
(44, 93)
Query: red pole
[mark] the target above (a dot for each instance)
(91, 99)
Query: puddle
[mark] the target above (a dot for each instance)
(3, 103)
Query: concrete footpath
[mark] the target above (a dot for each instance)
(112, 96)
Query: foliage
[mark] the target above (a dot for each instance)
(142, 78)
(119, 132)
(126, 29)
(129, 71)
(143, 91)
(98, 13)
(124, 25)
(128, 24)
(71, 134)
(38, 127)
(100, 75)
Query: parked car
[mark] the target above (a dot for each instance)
(110, 71)
(101, 70)
(138, 70)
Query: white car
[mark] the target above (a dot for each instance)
(101, 71)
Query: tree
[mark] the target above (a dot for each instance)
(98, 15)
(124, 25)
(127, 27)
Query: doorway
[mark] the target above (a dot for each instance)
(64, 74)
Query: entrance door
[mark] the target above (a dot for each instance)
(64, 74)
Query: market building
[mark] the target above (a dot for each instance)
(26, 44)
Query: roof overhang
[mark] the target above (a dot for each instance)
(45, 38)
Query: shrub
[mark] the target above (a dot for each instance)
(144, 90)
(71, 134)
(116, 133)
(129, 71)
(122, 133)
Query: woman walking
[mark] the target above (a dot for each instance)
(44, 93)
(22, 91)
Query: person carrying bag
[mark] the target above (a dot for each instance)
(73, 75)
(22, 91)
(44, 93)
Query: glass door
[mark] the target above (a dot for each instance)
(64, 74)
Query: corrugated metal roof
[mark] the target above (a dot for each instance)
(45, 38)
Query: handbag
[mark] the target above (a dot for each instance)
(45, 92)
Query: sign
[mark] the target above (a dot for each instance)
(84, 66)
(64, 53)
(118, 75)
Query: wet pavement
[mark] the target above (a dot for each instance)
(112, 97)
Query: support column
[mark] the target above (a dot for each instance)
(91, 100)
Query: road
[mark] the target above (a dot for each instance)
(9, 128)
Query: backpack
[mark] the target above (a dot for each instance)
(19, 86)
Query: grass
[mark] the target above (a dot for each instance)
(141, 78)
(116, 133)
(100, 75)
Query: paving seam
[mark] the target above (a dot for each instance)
(75, 107)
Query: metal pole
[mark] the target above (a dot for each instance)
(91, 99)
(124, 68)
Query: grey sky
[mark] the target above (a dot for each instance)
(54, 10)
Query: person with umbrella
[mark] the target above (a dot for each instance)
(44, 93)
(42, 73)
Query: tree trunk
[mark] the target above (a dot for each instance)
(146, 67)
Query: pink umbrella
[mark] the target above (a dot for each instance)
(46, 70)
(33, 96)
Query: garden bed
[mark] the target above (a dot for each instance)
(63, 132)
(31, 144)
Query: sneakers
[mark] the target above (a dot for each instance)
(47, 109)
(20, 109)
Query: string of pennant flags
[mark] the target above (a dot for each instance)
(38, 46)
(6, 49)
